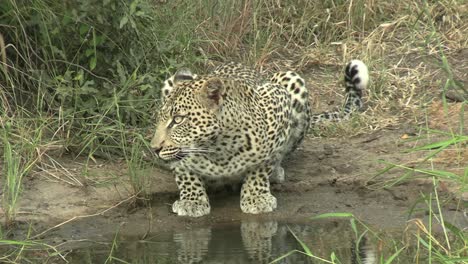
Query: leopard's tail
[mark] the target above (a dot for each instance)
(356, 80)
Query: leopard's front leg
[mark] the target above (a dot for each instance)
(255, 194)
(193, 199)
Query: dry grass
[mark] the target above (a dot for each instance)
(403, 43)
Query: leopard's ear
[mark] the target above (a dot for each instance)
(212, 93)
(183, 74)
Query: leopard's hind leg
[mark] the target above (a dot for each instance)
(299, 114)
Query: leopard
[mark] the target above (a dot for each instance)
(233, 125)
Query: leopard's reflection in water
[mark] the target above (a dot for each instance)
(192, 245)
(250, 241)
(267, 241)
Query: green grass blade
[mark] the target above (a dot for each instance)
(394, 255)
(333, 215)
(303, 245)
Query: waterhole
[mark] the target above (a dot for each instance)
(244, 242)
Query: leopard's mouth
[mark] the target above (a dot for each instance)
(171, 155)
(177, 154)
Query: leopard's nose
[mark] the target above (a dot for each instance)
(157, 149)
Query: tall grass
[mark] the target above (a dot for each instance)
(13, 174)
(21, 151)
(82, 78)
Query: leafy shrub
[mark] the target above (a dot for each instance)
(94, 63)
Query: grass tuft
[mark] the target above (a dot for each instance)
(81, 79)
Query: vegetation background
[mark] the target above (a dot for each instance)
(83, 78)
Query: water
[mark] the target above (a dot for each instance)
(245, 242)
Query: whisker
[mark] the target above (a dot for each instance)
(199, 149)
(196, 150)
(178, 156)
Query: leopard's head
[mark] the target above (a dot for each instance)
(189, 116)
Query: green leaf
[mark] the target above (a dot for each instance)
(133, 6)
(436, 145)
(285, 256)
(334, 215)
(123, 21)
(334, 258)
(303, 245)
(99, 39)
(353, 226)
(144, 87)
(84, 29)
(89, 52)
(78, 77)
(19, 243)
(92, 63)
(392, 257)
(440, 174)
(455, 230)
(139, 13)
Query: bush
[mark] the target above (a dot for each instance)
(96, 64)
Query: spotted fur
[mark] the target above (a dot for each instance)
(231, 125)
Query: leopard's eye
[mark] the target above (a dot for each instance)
(176, 120)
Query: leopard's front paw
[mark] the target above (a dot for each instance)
(256, 204)
(191, 208)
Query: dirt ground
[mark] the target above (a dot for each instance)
(325, 175)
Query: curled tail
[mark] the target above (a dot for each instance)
(356, 80)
